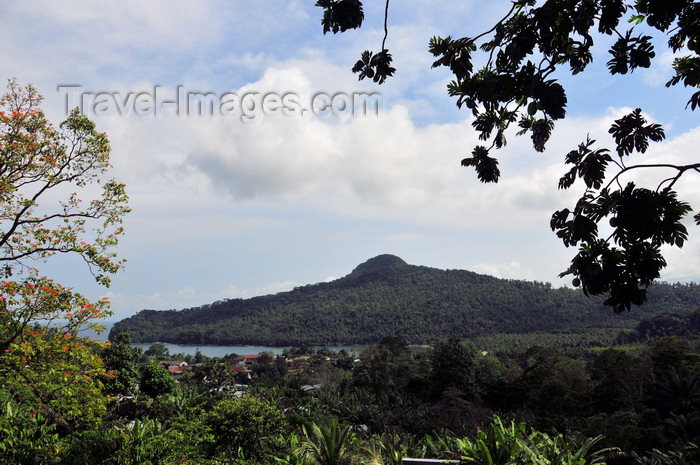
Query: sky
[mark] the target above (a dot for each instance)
(250, 199)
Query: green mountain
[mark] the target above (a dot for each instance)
(385, 296)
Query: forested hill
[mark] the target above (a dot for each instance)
(385, 296)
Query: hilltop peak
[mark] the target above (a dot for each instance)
(380, 262)
(385, 296)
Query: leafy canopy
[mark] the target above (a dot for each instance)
(511, 83)
(45, 365)
(42, 170)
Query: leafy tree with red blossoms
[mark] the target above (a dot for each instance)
(42, 168)
(45, 364)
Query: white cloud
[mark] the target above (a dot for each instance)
(366, 167)
(661, 69)
(272, 288)
(165, 299)
(511, 269)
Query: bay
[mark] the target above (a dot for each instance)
(213, 350)
(220, 351)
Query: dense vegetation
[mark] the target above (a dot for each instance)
(386, 297)
(632, 405)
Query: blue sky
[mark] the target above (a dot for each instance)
(224, 208)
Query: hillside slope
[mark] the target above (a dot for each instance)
(385, 296)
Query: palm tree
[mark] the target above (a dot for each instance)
(329, 444)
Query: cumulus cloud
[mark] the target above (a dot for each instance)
(366, 166)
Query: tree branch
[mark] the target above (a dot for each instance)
(510, 12)
(681, 168)
(386, 28)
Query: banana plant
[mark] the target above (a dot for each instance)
(296, 455)
(438, 445)
(497, 445)
(513, 444)
(25, 436)
(143, 443)
(386, 450)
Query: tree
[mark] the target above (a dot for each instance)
(198, 357)
(156, 380)
(385, 368)
(615, 372)
(216, 373)
(453, 366)
(158, 350)
(245, 428)
(39, 302)
(38, 163)
(514, 84)
(44, 363)
(269, 369)
(122, 360)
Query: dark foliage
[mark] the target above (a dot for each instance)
(429, 402)
(625, 264)
(387, 297)
(513, 82)
(341, 15)
(374, 66)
